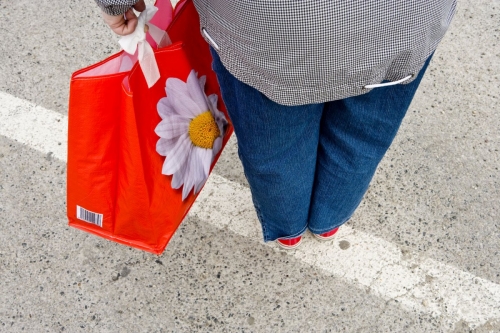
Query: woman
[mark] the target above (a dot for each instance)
(316, 91)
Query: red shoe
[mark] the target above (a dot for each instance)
(326, 236)
(289, 243)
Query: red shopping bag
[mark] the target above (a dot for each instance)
(116, 188)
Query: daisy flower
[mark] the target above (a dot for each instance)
(191, 132)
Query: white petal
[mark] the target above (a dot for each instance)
(204, 163)
(178, 179)
(181, 99)
(165, 108)
(185, 191)
(179, 176)
(196, 92)
(219, 116)
(212, 99)
(188, 176)
(164, 146)
(217, 147)
(199, 185)
(198, 170)
(172, 127)
(205, 159)
(207, 162)
(177, 157)
(222, 127)
(163, 168)
(175, 85)
(202, 80)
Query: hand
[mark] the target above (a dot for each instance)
(124, 25)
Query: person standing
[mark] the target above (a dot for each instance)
(316, 92)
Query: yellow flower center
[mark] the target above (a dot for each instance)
(203, 130)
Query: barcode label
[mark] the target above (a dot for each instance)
(88, 216)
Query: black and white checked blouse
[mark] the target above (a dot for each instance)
(312, 51)
(115, 7)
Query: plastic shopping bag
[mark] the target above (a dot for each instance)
(137, 155)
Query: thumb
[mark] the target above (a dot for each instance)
(130, 15)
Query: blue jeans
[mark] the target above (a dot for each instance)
(309, 166)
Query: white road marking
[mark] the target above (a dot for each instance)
(416, 282)
(34, 126)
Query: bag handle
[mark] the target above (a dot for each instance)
(136, 41)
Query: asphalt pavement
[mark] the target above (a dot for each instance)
(421, 254)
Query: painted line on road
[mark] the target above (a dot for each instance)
(34, 126)
(384, 269)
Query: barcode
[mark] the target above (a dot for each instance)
(88, 216)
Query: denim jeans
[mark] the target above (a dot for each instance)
(309, 166)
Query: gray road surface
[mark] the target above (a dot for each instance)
(436, 193)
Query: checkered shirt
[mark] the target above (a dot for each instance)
(115, 7)
(312, 51)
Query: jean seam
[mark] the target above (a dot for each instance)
(263, 225)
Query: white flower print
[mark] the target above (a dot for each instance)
(191, 132)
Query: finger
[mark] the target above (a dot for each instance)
(130, 15)
(128, 25)
(140, 6)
